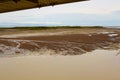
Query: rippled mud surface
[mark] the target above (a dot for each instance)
(67, 44)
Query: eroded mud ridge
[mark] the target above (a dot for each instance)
(72, 44)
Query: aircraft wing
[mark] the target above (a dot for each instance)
(14, 5)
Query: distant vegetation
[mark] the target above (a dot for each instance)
(50, 27)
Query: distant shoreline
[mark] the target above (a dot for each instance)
(56, 27)
(49, 27)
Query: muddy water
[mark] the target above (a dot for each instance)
(96, 65)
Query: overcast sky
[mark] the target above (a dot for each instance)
(88, 13)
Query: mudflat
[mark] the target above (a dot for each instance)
(91, 54)
(70, 41)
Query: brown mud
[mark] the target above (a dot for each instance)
(63, 44)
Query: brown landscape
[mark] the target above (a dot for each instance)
(60, 41)
(54, 40)
(60, 54)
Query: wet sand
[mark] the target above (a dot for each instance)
(62, 42)
(96, 65)
(92, 54)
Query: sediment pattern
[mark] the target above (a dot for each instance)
(72, 44)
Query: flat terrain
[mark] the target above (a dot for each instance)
(96, 65)
(58, 41)
(39, 54)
